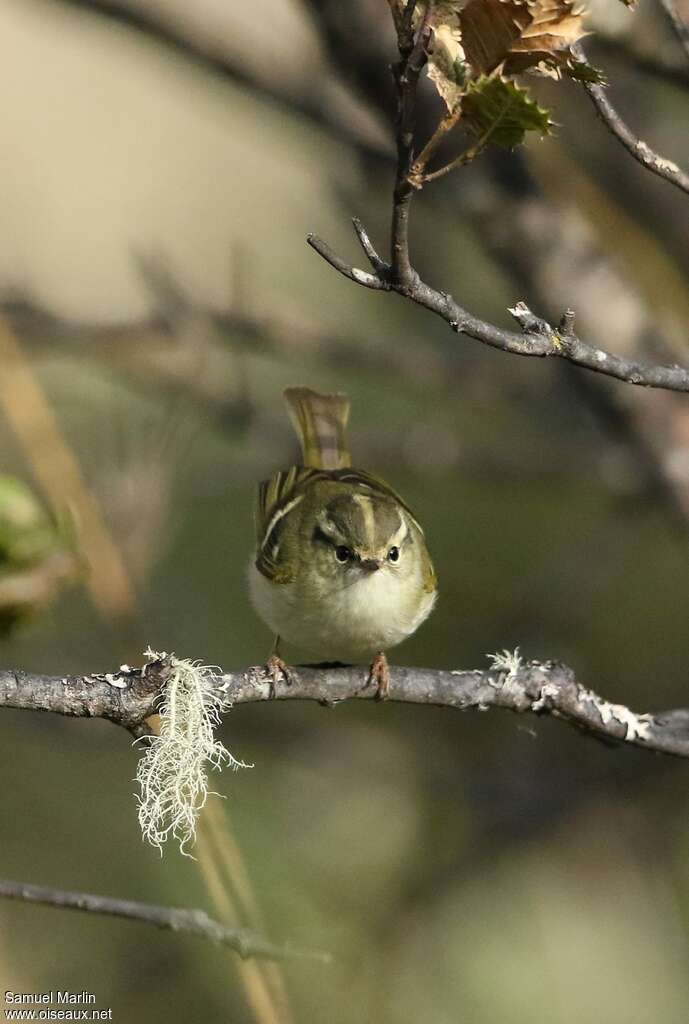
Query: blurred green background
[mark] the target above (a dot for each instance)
(155, 201)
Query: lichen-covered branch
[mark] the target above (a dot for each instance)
(128, 696)
(177, 919)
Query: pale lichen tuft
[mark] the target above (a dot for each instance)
(173, 770)
(506, 661)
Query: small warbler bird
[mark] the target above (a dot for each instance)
(341, 570)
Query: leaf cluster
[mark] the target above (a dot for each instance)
(477, 49)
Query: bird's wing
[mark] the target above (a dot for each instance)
(277, 497)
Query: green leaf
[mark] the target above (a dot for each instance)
(582, 71)
(501, 112)
(27, 533)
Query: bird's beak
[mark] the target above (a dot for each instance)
(370, 564)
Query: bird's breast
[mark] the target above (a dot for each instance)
(343, 622)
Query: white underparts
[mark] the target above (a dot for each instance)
(373, 613)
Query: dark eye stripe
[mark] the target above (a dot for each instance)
(322, 537)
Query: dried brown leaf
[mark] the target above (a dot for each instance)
(446, 64)
(518, 35)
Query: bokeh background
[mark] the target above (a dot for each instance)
(162, 164)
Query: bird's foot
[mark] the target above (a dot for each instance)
(379, 673)
(278, 671)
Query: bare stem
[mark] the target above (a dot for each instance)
(470, 154)
(177, 919)
(641, 152)
(406, 73)
(446, 125)
(537, 338)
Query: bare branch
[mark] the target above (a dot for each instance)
(353, 273)
(177, 919)
(639, 150)
(413, 57)
(670, 378)
(537, 338)
(536, 242)
(379, 265)
(127, 696)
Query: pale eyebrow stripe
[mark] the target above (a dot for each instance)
(278, 516)
(327, 525)
(397, 538)
(366, 506)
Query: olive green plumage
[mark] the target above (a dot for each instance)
(341, 568)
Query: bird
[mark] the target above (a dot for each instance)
(341, 570)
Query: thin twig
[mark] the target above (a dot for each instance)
(353, 273)
(526, 233)
(406, 21)
(473, 151)
(380, 266)
(446, 125)
(537, 338)
(177, 919)
(636, 147)
(540, 688)
(406, 74)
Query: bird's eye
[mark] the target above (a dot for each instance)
(394, 555)
(342, 554)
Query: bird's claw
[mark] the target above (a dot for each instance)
(278, 671)
(379, 673)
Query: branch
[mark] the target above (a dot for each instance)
(639, 150)
(128, 696)
(353, 273)
(537, 338)
(670, 378)
(526, 234)
(413, 57)
(310, 103)
(176, 919)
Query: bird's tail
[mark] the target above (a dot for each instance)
(321, 423)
